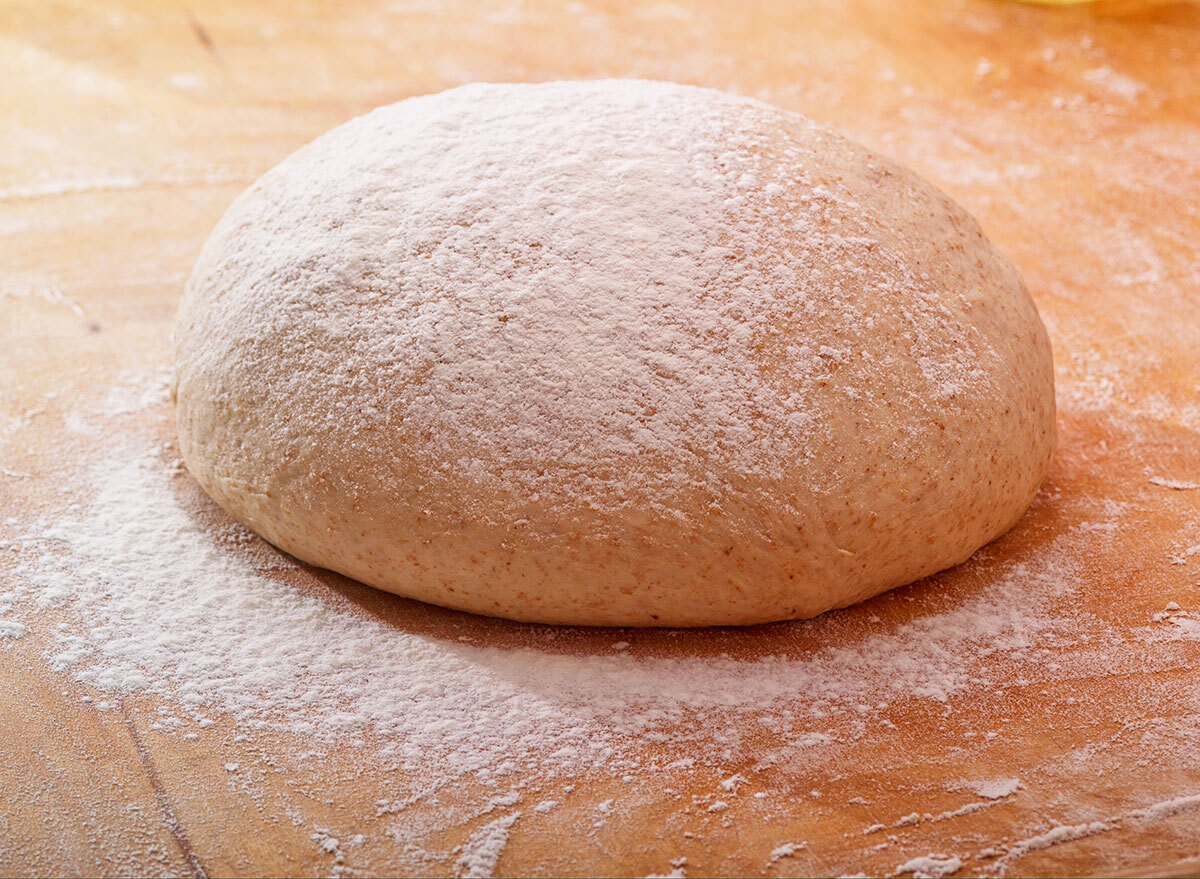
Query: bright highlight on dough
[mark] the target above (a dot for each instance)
(611, 353)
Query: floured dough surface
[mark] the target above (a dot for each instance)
(615, 352)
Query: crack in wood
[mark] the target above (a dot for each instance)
(203, 36)
(160, 794)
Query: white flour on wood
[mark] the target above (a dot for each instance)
(171, 606)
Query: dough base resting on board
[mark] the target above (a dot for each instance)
(613, 352)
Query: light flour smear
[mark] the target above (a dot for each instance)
(170, 608)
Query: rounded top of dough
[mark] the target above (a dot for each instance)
(613, 352)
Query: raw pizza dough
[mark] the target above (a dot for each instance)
(615, 353)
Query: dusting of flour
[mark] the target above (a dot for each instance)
(609, 294)
(168, 605)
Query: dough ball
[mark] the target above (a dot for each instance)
(611, 353)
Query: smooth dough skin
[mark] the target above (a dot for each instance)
(611, 353)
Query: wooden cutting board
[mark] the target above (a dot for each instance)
(1072, 133)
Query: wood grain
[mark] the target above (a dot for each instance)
(1073, 133)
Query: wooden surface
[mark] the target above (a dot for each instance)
(1073, 134)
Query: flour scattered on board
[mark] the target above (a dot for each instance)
(787, 850)
(160, 595)
(11, 629)
(678, 870)
(930, 867)
(483, 849)
(170, 606)
(996, 788)
(1175, 484)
